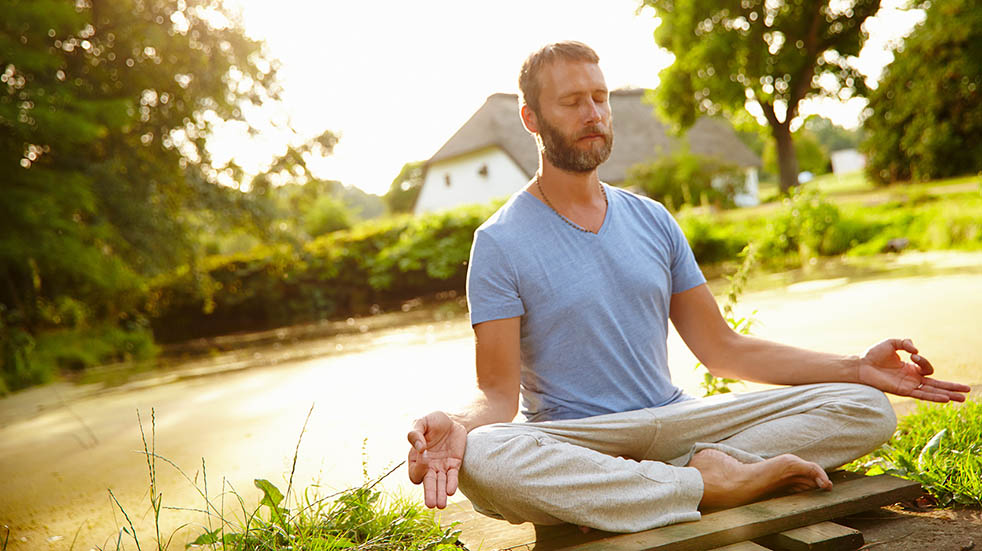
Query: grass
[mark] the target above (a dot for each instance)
(939, 446)
(356, 519)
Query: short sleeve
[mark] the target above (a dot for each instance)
(685, 270)
(492, 284)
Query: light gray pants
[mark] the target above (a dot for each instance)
(571, 471)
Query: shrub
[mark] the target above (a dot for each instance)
(685, 178)
(378, 262)
(29, 360)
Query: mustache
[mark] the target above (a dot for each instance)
(594, 130)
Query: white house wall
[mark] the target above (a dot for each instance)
(478, 177)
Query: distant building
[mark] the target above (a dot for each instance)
(492, 155)
(845, 161)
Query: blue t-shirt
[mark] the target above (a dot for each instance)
(594, 307)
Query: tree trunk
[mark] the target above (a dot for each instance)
(787, 161)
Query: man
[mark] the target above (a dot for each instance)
(571, 285)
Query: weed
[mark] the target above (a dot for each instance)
(939, 446)
(356, 519)
(721, 385)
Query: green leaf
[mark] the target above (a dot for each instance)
(931, 448)
(271, 494)
(206, 538)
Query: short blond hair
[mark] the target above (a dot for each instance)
(528, 77)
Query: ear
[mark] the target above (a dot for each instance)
(529, 120)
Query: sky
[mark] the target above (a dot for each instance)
(395, 79)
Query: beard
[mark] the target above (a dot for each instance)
(562, 152)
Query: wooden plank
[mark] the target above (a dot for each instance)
(765, 517)
(824, 536)
(742, 546)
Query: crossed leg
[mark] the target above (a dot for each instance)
(710, 452)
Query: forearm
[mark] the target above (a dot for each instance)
(758, 360)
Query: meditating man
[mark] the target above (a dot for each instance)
(570, 286)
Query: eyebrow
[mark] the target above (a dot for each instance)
(581, 92)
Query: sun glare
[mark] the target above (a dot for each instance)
(396, 79)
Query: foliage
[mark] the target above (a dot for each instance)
(104, 107)
(326, 215)
(404, 190)
(832, 136)
(710, 240)
(30, 360)
(377, 262)
(927, 117)
(808, 224)
(721, 385)
(358, 518)
(775, 53)
(686, 178)
(812, 155)
(939, 446)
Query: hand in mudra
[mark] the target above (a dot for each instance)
(883, 368)
(437, 452)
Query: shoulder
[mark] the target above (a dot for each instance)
(639, 205)
(510, 221)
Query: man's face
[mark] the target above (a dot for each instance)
(574, 120)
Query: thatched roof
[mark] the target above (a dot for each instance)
(638, 136)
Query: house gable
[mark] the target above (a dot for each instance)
(477, 177)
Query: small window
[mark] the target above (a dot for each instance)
(483, 171)
(446, 179)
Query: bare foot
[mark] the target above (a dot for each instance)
(729, 483)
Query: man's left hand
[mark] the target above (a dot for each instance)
(882, 367)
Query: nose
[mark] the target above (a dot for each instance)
(595, 112)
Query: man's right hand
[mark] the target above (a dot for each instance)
(437, 452)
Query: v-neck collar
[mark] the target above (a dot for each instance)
(578, 228)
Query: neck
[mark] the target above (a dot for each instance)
(578, 198)
(569, 188)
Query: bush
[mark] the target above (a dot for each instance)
(29, 360)
(378, 262)
(711, 241)
(685, 178)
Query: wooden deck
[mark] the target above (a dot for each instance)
(791, 522)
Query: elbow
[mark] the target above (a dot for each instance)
(723, 361)
(503, 402)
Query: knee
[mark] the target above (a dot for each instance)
(491, 458)
(871, 408)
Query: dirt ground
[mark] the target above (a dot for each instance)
(898, 529)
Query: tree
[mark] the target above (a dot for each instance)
(104, 109)
(926, 119)
(404, 190)
(775, 53)
(810, 154)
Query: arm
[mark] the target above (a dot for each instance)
(726, 353)
(438, 440)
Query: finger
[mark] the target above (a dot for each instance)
(429, 488)
(947, 385)
(417, 440)
(441, 490)
(417, 468)
(904, 344)
(451, 481)
(923, 365)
